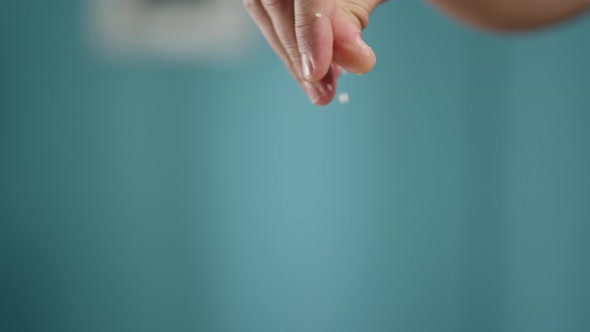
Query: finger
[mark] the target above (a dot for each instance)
(338, 70)
(350, 51)
(319, 92)
(322, 92)
(262, 19)
(313, 29)
(282, 16)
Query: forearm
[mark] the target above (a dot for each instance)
(511, 15)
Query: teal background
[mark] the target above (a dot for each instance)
(451, 194)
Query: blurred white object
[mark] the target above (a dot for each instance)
(343, 98)
(177, 29)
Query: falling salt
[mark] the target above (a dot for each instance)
(343, 98)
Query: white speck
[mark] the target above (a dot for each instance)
(318, 15)
(330, 87)
(343, 98)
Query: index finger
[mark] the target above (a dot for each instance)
(315, 40)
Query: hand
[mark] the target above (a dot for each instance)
(316, 39)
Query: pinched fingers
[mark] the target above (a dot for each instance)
(279, 20)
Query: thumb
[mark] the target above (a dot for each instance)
(350, 51)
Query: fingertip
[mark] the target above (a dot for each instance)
(362, 66)
(322, 92)
(354, 55)
(337, 70)
(316, 45)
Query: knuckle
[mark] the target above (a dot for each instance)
(302, 22)
(273, 3)
(292, 51)
(361, 13)
(363, 18)
(251, 5)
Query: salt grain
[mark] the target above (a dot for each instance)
(343, 98)
(318, 15)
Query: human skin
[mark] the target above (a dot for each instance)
(316, 39)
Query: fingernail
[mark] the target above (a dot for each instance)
(361, 42)
(337, 71)
(315, 91)
(307, 66)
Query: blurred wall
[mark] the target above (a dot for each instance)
(451, 194)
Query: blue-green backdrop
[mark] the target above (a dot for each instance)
(451, 194)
